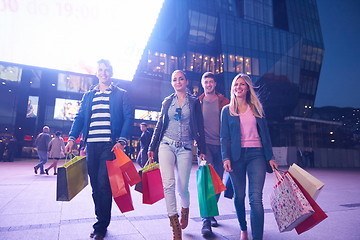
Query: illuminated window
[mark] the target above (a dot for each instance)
(247, 66)
(231, 63)
(239, 64)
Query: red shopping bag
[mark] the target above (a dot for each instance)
(152, 186)
(318, 216)
(124, 202)
(218, 183)
(116, 179)
(131, 175)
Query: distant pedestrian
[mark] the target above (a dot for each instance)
(11, 149)
(56, 151)
(144, 142)
(42, 144)
(2, 148)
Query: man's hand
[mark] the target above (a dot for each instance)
(69, 146)
(151, 156)
(227, 166)
(118, 146)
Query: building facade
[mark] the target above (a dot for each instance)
(278, 43)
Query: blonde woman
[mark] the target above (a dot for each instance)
(246, 151)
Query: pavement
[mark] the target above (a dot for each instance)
(29, 210)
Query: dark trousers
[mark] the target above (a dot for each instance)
(97, 155)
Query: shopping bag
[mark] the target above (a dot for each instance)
(206, 193)
(121, 157)
(310, 183)
(139, 185)
(229, 192)
(131, 175)
(318, 216)
(217, 181)
(72, 177)
(116, 179)
(288, 203)
(127, 167)
(124, 202)
(152, 187)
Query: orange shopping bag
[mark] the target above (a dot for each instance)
(130, 174)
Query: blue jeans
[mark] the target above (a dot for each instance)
(175, 155)
(43, 158)
(213, 157)
(97, 154)
(252, 163)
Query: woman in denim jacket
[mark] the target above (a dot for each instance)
(180, 123)
(246, 150)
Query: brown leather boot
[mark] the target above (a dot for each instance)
(174, 223)
(184, 220)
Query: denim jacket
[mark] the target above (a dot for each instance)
(121, 115)
(196, 123)
(230, 137)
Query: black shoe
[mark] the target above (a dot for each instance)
(47, 172)
(214, 223)
(92, 234)
(98, 236)
(35, 170)
(206, 229)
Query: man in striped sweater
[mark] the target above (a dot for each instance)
(105, 118)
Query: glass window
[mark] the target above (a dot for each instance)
(239, 64)
(255, 66)
(246, 35)
(212, 64)
(276, 41)
(254, 37)
(231, 63)
(10, 73)
(247, 65)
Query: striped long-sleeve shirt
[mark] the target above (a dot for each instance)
(100, 129)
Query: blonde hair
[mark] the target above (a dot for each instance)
(251, 98)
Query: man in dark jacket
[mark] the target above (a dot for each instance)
(105, 118)
(144, 142)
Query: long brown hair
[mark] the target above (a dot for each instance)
(251, 98)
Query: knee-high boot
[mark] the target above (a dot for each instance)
(174, 223)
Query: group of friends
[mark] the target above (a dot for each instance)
(232, 135)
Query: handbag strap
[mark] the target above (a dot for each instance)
(149, 166)
(69, 156)
(279, 176)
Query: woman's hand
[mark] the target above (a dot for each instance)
(118, 146)
(151, 156)
(227, 166)
(273, 165)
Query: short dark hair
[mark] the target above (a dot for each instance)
(106, 63)
(208, 75)
(58, 133)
